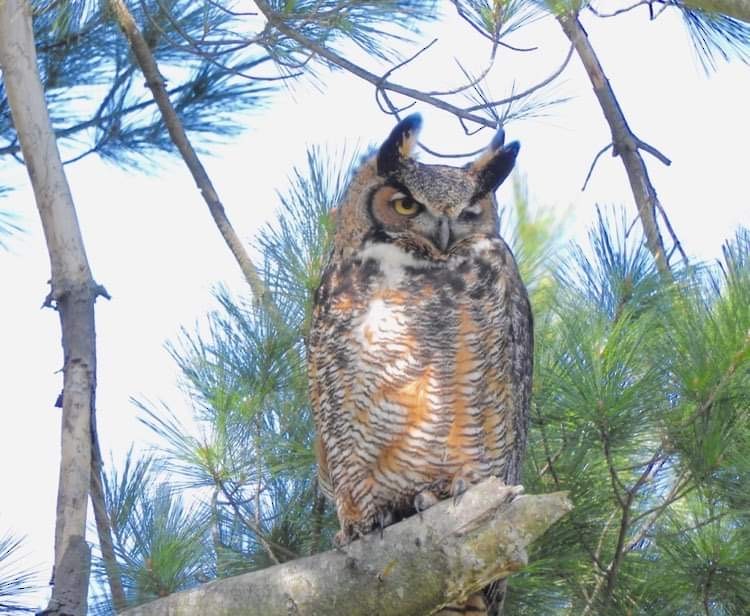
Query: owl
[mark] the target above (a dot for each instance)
(420, 348)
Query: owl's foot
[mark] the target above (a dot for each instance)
(383, 519)
(342, 538)
(461, 482)
(346, 535)
(511, 492)
(424, 500)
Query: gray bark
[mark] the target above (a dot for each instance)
(626, 144)
(416, 567)
(73, 292)
(104, 526)
(177, 134)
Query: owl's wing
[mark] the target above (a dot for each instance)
(327, 370)
(503, 355)
(324, 476)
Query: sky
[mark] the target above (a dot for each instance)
(153, 245)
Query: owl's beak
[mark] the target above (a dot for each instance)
(443, 235)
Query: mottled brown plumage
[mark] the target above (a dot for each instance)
(420, 351)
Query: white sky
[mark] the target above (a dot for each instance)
(151, 241)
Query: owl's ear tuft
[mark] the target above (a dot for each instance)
(399, 145)
(495, 164)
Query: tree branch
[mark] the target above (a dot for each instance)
(103, 524)
(155, 82)
(419, 564)
(626, 145)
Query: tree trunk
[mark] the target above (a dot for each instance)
(73, 292)
(417, 565)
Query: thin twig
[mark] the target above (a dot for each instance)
(600, 544)
(441, 155)
(617, 485)
(495, 39)
(593, 164)
(221, 7)
(532, 89)
(392, 109)
(277, 22)
(653, 151)
(656, 458)
(196, 47)
(267, 544)
(676, 242)
(619, 11)
(674, 494)
(472, 83)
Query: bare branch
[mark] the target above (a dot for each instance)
(642, 145)
(447, 553)
(155, 82)
(676, 242)
(625, 143)
(619, 11)
(103, 525)
(442, 155)
(676, 493)
(529, 91)
(593, 164)
(196, 47)
(379, 91)
(277, 22)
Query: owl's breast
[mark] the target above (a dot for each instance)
(421, 354)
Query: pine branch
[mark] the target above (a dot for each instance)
(383, 85)
(739, 9)
(417, 566)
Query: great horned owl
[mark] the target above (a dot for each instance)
(420, 349)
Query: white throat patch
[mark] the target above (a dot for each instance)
(392, 261)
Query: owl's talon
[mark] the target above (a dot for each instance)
(342, 539)
(513, 492)
(458, 488)
(384, 518)
(424, 500)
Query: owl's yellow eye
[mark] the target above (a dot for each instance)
(404, 205)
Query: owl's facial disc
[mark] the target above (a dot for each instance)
(433, 227)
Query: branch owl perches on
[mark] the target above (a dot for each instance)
(420, 350)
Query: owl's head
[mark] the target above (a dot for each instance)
(430, 209)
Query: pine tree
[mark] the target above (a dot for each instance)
(640, 411)
(640, 397)
(16, 580)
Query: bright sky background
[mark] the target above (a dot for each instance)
(151, 241)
